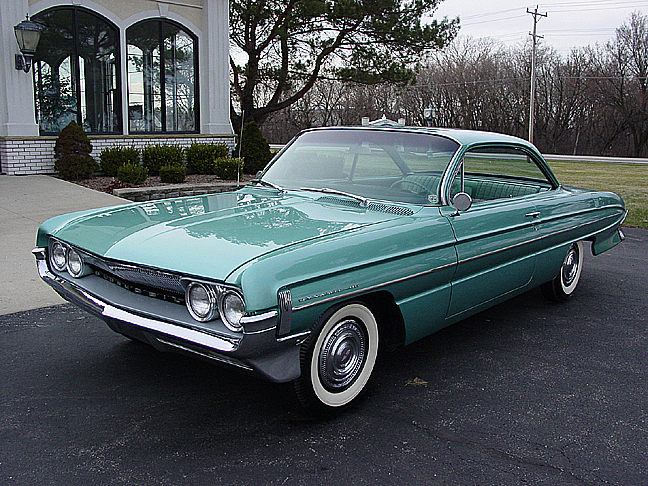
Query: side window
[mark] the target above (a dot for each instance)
(499, 172)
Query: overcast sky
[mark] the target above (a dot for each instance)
(569, 23)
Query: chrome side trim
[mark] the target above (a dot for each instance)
(373, 287)
(293, 336)
(539, 238)
(285, 312)
(258, 318)
(443, 267)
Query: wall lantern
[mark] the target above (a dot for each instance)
(27, 35)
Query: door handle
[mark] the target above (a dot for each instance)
(534, 214)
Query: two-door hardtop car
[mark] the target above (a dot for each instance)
(350, 240)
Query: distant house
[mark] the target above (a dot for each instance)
(130, 72)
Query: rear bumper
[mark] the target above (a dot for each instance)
(258, 351)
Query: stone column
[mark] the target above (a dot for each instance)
(17, 111)
(214, 69)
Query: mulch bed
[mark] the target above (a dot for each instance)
(108, 184)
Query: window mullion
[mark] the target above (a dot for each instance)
(162, 78)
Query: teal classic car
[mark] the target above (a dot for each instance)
(351, 241)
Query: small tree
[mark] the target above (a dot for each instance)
(72, 152)
(254, 149)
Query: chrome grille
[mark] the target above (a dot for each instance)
(148, 277)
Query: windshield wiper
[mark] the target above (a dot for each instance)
(269, 184)
(364, 202)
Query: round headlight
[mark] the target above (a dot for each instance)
(201, 302)
(233, 310)
(57, 255)
(75, 265)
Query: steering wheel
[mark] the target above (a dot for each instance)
(409, 181)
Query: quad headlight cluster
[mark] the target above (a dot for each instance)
(206, 302)
(65, 258)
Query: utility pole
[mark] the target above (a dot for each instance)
(536, 18)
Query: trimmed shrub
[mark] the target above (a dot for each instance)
(156, 156)
(253, 148)
(227, 167)
(200, 157)
(111, 159)
(132, 173)
(73, 167)
(173, 173)
(72, 153)
(72, 141)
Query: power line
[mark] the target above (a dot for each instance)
(424, 87)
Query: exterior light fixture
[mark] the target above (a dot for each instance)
(27, 35)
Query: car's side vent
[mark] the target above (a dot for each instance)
(379, 207)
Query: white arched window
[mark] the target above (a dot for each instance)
(162, 68)
(76, 71)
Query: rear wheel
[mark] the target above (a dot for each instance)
(564, 284)
(338, 358)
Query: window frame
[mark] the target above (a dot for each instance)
(160, 28)
(460, 171)
(75, 74)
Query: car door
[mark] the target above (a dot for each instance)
(497, 235)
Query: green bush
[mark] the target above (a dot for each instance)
(227, 167)
(253, 148)
(132, 173)
(72, 141)
(111, 159)
(200, 157)
(73, 167)
(173, 173)
(72, 153)
(156, 156)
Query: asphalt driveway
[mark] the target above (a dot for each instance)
(525, 393)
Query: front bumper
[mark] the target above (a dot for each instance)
(257, 350)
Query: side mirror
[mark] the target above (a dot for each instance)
(462, 201)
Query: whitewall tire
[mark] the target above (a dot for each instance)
(338, 358)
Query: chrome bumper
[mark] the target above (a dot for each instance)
(258, 351)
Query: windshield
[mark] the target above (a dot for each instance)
(397, 166)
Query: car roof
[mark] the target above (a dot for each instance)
(461, 136)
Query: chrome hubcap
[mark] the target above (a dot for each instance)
(342, 356)
(570, 266)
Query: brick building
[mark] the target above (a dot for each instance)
(130, 72)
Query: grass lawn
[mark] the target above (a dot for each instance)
(627, 180)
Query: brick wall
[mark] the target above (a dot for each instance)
(35, 155)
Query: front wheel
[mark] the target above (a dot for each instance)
(338, 358)
(564, 284)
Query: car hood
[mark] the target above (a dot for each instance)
(212, 235)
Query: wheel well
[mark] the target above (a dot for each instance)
(389, 319)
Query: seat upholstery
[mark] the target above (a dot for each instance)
(488, 190)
